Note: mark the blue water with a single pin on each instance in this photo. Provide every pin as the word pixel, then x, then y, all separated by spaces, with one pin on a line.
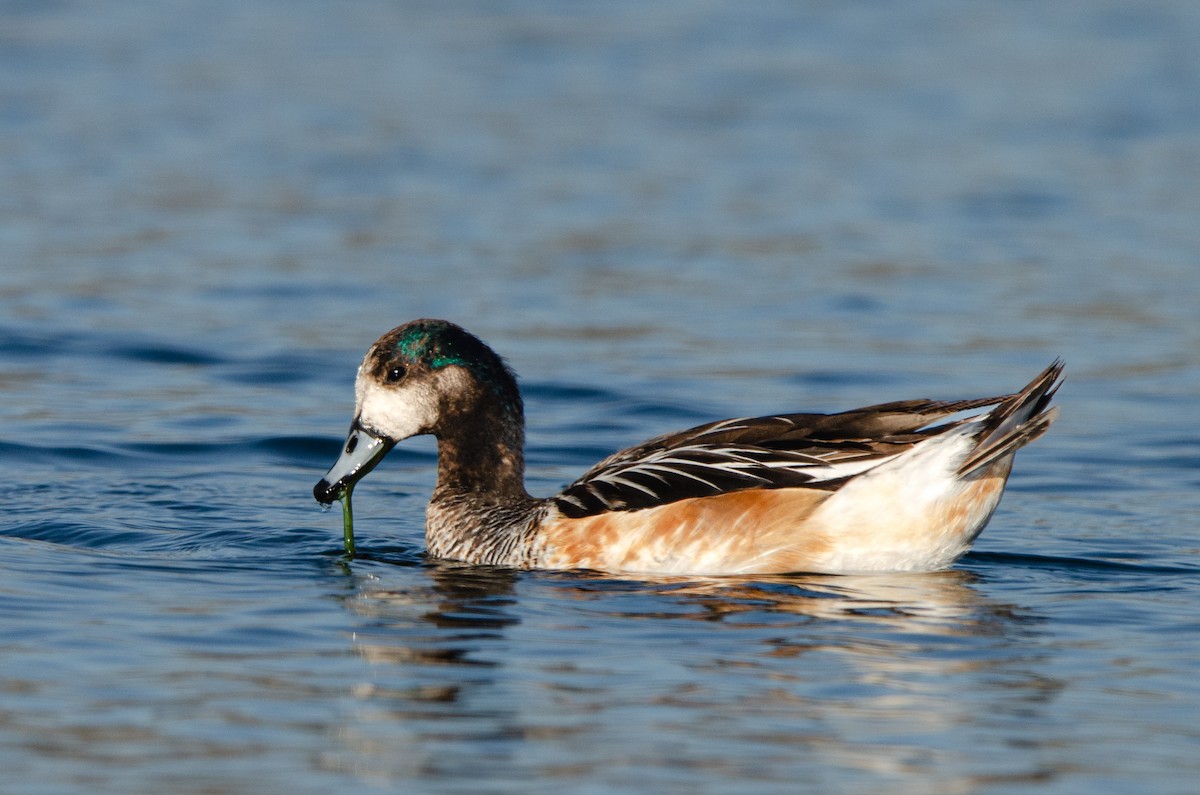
pixel 661 214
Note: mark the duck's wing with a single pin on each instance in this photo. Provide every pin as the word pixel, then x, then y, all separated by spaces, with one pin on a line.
pixel 817 451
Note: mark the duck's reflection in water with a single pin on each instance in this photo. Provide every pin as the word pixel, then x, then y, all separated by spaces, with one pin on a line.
pixel 570 668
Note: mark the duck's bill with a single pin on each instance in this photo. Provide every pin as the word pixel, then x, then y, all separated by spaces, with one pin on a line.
pixel 362 451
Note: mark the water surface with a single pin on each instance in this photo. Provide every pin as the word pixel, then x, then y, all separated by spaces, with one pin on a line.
pixel 661 215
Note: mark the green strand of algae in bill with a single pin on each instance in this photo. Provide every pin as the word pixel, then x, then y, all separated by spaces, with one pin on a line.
pixel 348 521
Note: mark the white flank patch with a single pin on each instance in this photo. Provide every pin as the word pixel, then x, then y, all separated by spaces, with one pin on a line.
pixel 884 519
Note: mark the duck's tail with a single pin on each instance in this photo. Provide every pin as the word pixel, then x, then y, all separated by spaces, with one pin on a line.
pixel 1016 421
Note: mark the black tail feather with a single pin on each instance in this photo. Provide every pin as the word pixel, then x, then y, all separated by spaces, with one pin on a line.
pixel 1017 420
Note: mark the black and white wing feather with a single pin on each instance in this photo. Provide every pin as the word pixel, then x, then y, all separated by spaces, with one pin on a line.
pixel 678 473
pixel 795 450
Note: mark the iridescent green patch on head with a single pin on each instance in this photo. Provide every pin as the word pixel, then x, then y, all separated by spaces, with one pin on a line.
pixel 438 344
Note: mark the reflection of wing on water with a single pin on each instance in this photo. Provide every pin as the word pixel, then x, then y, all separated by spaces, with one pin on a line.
pixel 937 602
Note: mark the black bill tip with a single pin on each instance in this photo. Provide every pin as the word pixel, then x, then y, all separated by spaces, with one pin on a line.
pixel 326 492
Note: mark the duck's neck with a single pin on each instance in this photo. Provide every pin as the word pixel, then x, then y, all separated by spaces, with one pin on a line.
pixel 483 453
pixel 480 511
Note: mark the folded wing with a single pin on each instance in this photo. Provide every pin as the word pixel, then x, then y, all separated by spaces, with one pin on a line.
pixel 816 451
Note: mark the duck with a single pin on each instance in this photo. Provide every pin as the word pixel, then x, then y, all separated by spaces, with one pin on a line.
pixel 904 486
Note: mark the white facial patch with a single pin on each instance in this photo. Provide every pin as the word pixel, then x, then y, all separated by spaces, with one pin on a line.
pixel 408 409
pixel 395 412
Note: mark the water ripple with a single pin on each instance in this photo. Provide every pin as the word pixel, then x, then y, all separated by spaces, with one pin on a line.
pixel 1068 563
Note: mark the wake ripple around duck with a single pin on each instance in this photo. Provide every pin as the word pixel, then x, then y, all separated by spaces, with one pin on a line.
pixel 1076 564
pixel 249 498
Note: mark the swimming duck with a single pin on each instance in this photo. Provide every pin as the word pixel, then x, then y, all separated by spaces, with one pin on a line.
pixel 877 489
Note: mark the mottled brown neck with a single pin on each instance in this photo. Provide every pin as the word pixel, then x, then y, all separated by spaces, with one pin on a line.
pixel 481 450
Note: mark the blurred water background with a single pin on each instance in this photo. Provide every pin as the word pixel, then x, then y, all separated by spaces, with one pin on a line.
pixel 661 213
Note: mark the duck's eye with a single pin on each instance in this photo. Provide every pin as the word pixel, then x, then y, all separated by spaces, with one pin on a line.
pixel 396 374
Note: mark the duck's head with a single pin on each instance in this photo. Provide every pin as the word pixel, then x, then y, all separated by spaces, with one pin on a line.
pixel 425 377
